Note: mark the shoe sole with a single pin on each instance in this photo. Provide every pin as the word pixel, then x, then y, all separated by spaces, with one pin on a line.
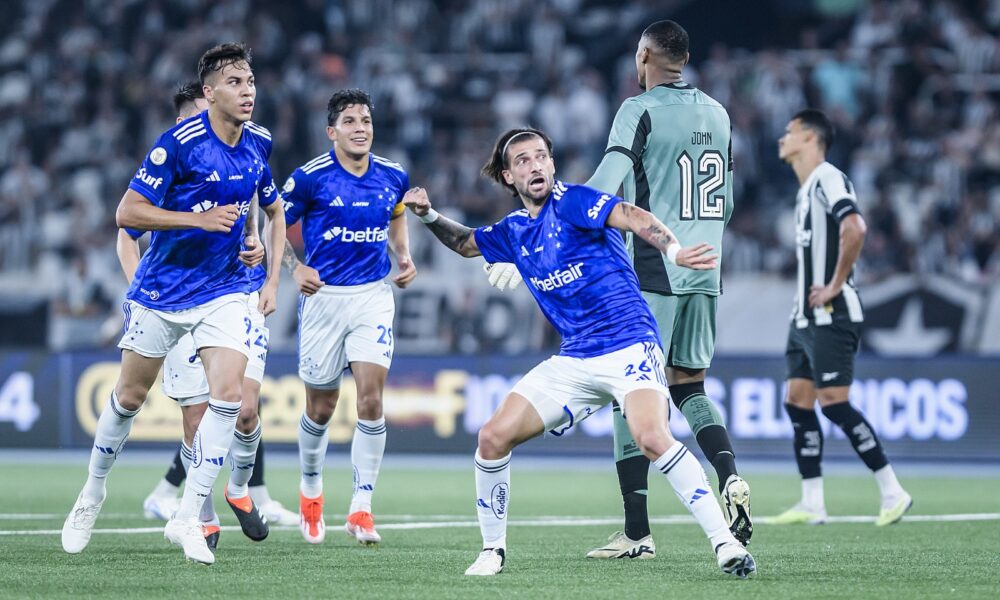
pixel 640 553
pixel 186 556
pixel 357 536
pixel 741 567
pixel 741 527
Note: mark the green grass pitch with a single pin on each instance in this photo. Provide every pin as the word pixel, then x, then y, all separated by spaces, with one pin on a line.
pixel 433 540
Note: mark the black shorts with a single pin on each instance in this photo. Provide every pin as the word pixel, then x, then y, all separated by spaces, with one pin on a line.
pixel 824 354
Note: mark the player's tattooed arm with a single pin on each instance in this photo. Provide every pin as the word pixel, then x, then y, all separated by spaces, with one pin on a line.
pixel 645 225
pixel 454 235
pixel 289 259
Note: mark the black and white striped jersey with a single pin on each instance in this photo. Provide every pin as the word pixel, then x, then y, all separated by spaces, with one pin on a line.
pixel 825 198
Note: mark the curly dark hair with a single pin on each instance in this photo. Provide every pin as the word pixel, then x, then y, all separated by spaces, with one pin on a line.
pixel 344 98
pixel 499 159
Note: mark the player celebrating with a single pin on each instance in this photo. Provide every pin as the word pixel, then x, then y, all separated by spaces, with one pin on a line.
pixel 669 148
pixel 184 381
pixel 826 321
pixel 349 203
pixel 193 191
pixel 566 245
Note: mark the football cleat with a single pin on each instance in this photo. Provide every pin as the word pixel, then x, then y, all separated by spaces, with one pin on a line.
pixel 735 560
pixel 736 502
pixel 189 535
pixel 253 524
pixel 360 525
pixel 489 562
pixel 211 531
pixel 798 515
pixel 79 525
pixel 278 514
pixel 160 507
pixel 311 522
pixel 620 545
pixel 888 516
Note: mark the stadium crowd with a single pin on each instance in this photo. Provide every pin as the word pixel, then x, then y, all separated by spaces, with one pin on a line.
pixel 913 86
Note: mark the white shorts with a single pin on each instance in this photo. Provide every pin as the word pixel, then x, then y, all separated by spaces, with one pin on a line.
pixel 222 322
pixel 339 325
pixel 184 374
pixel 565 390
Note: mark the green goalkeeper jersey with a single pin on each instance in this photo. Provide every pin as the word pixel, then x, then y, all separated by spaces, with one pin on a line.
pixel 679 141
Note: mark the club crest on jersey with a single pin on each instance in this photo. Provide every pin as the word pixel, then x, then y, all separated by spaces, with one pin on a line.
pixel 596 209
pixel 148 179
pixel 158 156
pixel 289 185
pixel 558 278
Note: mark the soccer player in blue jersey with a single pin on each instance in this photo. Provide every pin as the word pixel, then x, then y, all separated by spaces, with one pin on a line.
pixel 192 191
pixel 566 245
pixel 349 201
pixel 184 381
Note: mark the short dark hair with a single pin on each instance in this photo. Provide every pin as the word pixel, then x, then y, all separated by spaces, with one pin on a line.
pixel 499 162
pixel 186 94
pixel 817 121
pixel 670 38
pixel 221 56
pixel 339 102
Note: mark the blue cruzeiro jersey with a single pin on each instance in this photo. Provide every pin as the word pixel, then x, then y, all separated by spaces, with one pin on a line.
pixel 577 269
pixel 191 169
pixel 345 218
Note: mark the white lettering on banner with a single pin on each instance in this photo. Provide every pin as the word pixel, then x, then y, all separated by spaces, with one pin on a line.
pixel 371 234
pixel 756 410
pixel 17 401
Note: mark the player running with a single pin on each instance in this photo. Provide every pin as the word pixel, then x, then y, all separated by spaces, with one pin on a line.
pixel 670 150
pixel 826 322
pixel 193 191
pixel 184 381
pixel 349 203
pixel 566 245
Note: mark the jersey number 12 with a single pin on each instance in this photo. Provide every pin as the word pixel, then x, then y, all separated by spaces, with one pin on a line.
pixel 712 168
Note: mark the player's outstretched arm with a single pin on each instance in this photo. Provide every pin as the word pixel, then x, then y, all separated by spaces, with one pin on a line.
pixel 275 230
pixel 135 211
pixel 454 235
pixel 645 225
pixel 127 249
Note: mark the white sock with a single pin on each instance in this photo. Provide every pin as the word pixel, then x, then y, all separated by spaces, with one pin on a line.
pixel 366 457
pixel 186 456
pixel 260 495
pixel 112 430
pixel 243 453
pixel 812 494
pixel 211 445
pixel 493 499
pixel 312 454
pixel 691 485
pixel 207 510
pixel 165 489
pixel 889 486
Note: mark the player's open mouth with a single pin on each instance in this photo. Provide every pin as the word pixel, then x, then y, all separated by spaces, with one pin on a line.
pixel 246 107
pixel 536 183
pixel 359 140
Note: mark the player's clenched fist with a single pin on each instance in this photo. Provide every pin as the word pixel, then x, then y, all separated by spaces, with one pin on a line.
pixel 416 200
pixel 219 219
pixel 307 278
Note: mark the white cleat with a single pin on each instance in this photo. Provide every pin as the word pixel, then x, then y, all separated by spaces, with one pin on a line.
pixel 79 525
pixel 621 546
pixel 160 507
pixel 735 560
pixel 736 505
pixel 278 514
pixel 489 562
pixel 188 534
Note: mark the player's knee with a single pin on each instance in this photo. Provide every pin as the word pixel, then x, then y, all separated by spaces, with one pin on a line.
pixel 130 396
pixel 493 443
pixel 370 406
pixel 653 441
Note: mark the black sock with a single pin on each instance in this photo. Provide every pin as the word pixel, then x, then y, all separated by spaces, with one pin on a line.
pixel 257 477
pixel 808 441
pixel 860 432
pixel 714 443
pixel 633 476
pixel 176 474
